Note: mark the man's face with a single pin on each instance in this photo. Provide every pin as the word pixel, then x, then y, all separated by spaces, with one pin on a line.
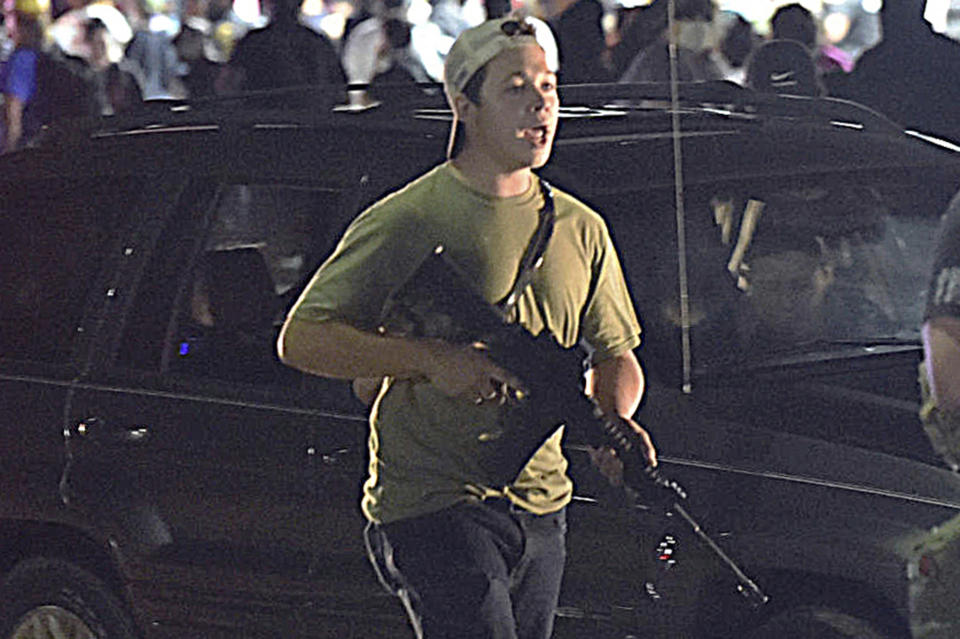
pixel 514 125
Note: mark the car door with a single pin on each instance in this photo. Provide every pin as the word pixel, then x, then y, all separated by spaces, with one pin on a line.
pixel 57 250
pixel 797 438
pixel 229 481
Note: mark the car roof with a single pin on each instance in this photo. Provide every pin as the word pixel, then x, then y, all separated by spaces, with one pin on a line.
pixel 612 136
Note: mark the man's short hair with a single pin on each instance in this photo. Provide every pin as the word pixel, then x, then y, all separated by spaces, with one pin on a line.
pixel 472 92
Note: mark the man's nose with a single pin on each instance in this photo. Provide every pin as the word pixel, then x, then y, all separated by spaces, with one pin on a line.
pixel 542 99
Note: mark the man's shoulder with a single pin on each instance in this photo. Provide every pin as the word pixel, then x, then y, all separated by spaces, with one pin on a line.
pixel 572 207
pixel 413 197
pixel 425 185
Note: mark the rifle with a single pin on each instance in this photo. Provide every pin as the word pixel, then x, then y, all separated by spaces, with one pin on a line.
pixel 437 302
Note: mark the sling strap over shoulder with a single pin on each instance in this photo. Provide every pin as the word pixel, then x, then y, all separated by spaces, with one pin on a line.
pixel 533 254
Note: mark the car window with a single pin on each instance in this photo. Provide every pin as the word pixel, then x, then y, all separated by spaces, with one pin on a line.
pixel 54 234
pixel 806 264
pixel 222 277
pixel 775 267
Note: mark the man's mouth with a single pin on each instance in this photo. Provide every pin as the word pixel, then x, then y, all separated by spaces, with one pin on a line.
pixel 536 135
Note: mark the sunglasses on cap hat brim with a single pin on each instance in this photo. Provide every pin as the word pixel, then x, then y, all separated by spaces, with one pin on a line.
pixel 517 28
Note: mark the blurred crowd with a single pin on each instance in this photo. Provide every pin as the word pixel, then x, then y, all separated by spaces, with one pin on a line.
pixel 113 54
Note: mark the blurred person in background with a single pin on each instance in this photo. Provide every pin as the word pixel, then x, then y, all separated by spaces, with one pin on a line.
pixel 795 22
pixel 40 84
pixel 578 28
pixel 696 41
pixel 451 16
pixel 739 40
pixel 362 10
pixel 433 28
pixel 227 28
pixel 783 67
pixel 117 88
pixel 152 52
pixel 69 29
pixel 437 23
pixel 6 43
pixel 361 51
pixel 285 53
pixel 636 28
pixel 25 21
pixel 197 50
pixel 911 75
pixel 397 67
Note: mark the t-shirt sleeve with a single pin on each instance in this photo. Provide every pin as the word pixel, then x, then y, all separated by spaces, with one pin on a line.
pixel 609 327
pixel 377 253
pixel 943 295
pixel 21 75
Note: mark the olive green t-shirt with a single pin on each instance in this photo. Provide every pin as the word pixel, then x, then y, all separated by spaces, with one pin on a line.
pixel 425 446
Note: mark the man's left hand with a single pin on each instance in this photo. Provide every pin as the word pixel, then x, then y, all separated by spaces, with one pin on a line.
pixel 609 463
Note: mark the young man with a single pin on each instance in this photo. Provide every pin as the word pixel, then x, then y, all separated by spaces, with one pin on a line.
pixel 469 557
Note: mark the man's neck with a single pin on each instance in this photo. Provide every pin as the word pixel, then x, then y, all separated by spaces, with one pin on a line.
pixel 496 183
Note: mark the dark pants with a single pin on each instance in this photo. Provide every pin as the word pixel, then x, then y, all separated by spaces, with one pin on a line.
pixel 474 570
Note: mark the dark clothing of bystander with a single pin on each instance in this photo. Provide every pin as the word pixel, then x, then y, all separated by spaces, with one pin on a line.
pixel 910 76
pixel 285 54
pixel 581 43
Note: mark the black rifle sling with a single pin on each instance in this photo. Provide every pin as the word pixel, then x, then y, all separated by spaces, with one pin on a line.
pixel 534 251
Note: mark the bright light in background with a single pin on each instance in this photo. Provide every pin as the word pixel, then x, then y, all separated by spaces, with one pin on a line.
pixel 871 6
pixel 633 4
pixel 836 26
pixel 312 7
pixel 759 11
pixel 247 10
pixel 936 14
pixel 752 10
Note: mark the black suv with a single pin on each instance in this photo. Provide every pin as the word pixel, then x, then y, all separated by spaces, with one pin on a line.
pixel 164 475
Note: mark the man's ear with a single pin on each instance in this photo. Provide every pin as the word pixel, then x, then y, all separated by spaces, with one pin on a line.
pixel 462 107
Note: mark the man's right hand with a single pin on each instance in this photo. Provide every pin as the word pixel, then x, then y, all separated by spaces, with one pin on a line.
pixel 467 372
pixel 338 350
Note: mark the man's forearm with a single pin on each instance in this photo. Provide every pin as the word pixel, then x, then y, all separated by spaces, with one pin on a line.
pixel 617 385
pixel 335 349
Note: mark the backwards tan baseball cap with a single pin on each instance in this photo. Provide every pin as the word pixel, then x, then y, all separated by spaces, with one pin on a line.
pixel 476 46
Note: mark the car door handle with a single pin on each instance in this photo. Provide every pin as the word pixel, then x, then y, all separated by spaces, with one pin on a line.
pixel 98 430
pixel 329 458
